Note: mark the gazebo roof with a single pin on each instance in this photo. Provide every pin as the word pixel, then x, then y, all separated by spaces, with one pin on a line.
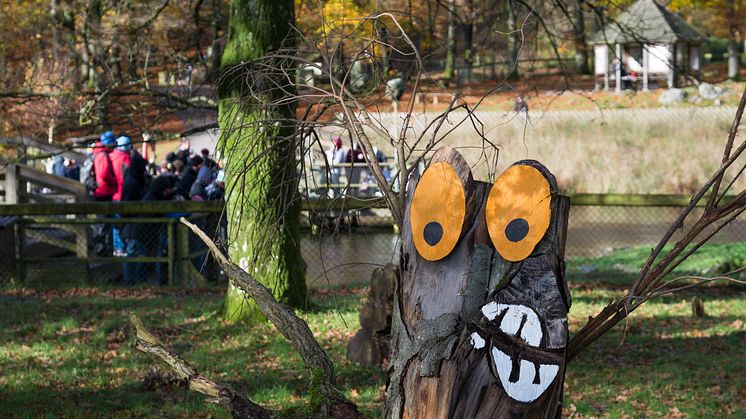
pixel 646 22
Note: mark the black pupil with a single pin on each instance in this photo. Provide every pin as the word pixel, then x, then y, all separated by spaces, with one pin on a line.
pixel 516 230
pixel 433 233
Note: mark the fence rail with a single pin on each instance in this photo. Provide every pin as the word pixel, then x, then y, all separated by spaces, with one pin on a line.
pixel 108 208
pixel 580 199
pixel 346 238
pixel 343 240
pixel 74 242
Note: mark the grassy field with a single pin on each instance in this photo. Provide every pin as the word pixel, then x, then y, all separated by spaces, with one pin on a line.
pixel 70 353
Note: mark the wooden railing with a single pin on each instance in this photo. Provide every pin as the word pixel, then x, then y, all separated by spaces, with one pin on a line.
pixel 66 229
pixel 18 178
pixel 581 199
pixel 107 208
pixel 317 204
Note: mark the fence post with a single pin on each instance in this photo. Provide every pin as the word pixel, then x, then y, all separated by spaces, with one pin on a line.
pixel 171 256
pixel 11 184
pixel 188 274
pixel 21 266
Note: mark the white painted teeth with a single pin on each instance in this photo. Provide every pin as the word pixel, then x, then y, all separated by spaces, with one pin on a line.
pixel 476 341
pixel 490 310
pixel 530 329
pixel 521 321
pixel 516 318
pixel 523 390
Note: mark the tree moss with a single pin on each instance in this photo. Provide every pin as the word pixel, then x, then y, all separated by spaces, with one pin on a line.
pixel 259 146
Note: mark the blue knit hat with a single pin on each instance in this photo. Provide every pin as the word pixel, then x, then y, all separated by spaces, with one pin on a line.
pixel 124 143
pixel 107 138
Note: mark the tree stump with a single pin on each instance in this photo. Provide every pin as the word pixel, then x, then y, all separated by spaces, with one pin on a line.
pixel 370 345
pixel 479 326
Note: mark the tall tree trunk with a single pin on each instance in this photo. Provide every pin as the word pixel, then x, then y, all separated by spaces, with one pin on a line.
pixel 514 40
pixel 91 44
pixel 259 143
pixel 382 35
pixel 450 67
pixel 732 42
pixel 55 12
pixel 217 43
pixel 581 48
pixel 469 51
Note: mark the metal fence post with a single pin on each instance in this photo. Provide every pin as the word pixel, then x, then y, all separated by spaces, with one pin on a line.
pixel 21 266
pixel 11 184
pixel 171 255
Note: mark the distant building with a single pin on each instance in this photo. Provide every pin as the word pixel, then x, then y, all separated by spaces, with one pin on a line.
pixel 652 44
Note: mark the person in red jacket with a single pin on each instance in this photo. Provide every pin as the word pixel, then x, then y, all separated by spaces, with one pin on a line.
pixel 106 182
pixel 120 162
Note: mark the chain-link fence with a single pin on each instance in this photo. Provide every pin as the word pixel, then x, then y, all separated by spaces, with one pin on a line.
pixel 349 245
pixel 339 246
pixel 68 250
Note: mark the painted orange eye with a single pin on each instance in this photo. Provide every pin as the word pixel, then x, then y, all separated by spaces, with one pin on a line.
pixel 437 211
pixel 518 211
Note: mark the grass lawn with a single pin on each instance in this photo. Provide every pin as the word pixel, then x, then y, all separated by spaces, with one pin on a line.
pixel 70 352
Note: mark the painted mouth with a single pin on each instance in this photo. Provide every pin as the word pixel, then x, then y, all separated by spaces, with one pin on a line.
pixel 523 380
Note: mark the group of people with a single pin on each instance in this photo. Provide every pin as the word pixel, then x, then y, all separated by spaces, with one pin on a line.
pixel 114 171
pixel 351 162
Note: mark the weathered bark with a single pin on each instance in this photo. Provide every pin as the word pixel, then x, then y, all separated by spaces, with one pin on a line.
pixel 438 367
pixel 370 345
pixel 469 48
pixel 91 50
pixel 450 66
pixel 514 39
pixel 732 41
pixel 263 209
pixel 326 399
pixel 581 47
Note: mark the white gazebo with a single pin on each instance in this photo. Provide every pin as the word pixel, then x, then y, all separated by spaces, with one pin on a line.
pixel 647 42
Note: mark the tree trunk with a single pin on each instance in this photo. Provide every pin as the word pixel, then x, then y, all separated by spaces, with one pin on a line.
pixel 91 44
pixel 450 67
pixel 258 140
pixel 732 59
pixel 514 40
pixel 455 351
pixel 382 35
pixel 469 52
pixel 581 47
pixel 732 42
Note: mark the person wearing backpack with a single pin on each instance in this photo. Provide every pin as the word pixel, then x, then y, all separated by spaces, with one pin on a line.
pixel 120 161
pixel 103 171
pixel 98 177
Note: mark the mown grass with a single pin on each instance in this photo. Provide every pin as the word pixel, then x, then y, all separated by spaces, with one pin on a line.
pixel 70 352
pixel 620 266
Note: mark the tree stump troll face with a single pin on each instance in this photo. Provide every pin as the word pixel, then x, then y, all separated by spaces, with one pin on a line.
pixel 480 314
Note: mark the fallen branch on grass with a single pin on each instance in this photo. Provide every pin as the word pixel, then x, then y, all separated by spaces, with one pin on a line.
pixel 239 406
pixel 328 401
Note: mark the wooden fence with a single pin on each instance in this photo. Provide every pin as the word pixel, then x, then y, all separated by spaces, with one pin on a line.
pixel 60 238
pixel 344 239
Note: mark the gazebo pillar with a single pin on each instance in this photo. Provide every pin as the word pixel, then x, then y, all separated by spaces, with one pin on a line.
pixel 645 65
pixel 618 71
pixel 671 65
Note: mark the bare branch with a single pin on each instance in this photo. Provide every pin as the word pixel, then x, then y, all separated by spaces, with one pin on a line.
pixel 239 406
pixel 291 326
